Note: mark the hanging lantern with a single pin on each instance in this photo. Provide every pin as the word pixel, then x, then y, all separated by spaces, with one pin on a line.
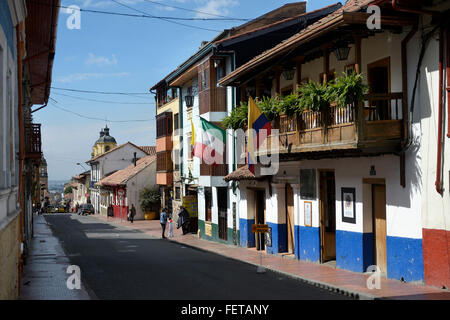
pixel 288 74
pixel 342 50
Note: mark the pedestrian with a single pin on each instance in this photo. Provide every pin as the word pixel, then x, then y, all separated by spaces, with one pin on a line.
pixel 170 227
pixel 163 221
pixel 132 213
pixel 183 220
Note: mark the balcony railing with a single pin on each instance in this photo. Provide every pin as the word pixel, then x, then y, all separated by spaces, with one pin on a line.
pixel 33 143
pixel 213 100
pixel 338 128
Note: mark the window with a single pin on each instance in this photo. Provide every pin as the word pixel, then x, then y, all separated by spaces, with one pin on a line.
pixel 107 148
pixel 220 69
pixel 164 125
pixel 203 79
pixel 176 123
pixel 177 193
pixel 208 204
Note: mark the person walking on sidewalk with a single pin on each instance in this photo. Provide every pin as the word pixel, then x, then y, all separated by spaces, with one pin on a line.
pixel 163 221
pixel 183 220
pixel 132 213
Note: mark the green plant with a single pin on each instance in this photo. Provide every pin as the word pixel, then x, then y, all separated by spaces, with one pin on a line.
pixel 68 190
pixel 238 118
pixel 313 96
pixel 149 199
pixel 347 89
pixel 290 105
pixel 270 107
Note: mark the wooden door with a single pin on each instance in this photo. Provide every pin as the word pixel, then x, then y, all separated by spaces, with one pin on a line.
pixel 379 225
pixel 290 219
pixel 222 197
pixel 327 216
pixel 260 217
pixel 379 75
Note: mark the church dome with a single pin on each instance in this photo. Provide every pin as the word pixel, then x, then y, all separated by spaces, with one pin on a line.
pixel 105 137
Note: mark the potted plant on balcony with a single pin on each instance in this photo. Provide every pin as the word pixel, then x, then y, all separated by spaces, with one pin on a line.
pixel 347 89
pixel 149 201
pixel 238 118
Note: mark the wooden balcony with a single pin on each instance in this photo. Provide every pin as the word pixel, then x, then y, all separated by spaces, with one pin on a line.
pixel 219 170
pixel 164 162
pixel 33 143
pixel 379 129
pixel 213 100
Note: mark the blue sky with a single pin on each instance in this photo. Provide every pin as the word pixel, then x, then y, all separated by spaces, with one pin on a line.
pixel 123 54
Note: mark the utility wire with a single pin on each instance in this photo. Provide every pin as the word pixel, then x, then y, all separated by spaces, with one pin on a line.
pixel 136 94
pixel 195 11
pixel 95 118
pixel 101 101
pixel 164 18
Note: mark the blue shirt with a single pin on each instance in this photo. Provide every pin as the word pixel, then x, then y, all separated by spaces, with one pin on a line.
pixel 163 218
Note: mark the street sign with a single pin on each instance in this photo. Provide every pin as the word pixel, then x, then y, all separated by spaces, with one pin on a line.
pixel 260 228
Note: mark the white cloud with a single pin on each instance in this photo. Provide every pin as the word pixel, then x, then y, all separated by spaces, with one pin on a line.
pixel 216 7
pixel 101 61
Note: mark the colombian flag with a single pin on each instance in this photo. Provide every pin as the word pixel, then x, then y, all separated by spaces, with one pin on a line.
pixel 256 121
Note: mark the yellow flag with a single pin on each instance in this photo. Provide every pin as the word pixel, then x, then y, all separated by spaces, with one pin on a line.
pixel 193 134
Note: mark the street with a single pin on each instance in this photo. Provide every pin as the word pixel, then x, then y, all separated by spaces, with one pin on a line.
pixel 120 263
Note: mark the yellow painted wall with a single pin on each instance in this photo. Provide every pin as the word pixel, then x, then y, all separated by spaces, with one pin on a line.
pixel 9 259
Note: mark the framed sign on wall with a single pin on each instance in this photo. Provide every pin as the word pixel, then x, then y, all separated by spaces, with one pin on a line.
pixel 348 205
pixel 308 213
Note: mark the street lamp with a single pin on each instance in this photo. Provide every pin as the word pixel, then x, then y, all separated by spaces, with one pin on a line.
pixel 79 164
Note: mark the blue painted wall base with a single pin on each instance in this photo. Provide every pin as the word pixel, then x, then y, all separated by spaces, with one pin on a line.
pixel 309 246
pixel 246 237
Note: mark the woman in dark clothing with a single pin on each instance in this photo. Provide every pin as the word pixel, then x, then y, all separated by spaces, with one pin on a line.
pixel 183 220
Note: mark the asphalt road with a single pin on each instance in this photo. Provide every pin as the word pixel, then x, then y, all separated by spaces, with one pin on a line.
pixel 120 263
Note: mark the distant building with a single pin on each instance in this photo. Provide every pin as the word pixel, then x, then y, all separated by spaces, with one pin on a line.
pixel 104 143
pixel 43 178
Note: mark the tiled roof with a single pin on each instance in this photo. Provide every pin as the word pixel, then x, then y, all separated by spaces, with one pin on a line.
pixel 150 150
pixel 297 39
pixel 114 149
pixel 122 176
pixel 240 174
pixel 305 14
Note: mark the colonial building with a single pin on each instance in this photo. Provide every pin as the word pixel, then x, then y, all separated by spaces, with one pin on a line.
pixel 27 49
pixel 125 186
pixel 43 178
pixel 356 185
pixel 106 164
pixel 206 195
pixel 81 190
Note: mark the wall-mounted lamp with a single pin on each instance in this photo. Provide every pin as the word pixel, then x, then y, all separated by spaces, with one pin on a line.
pixel 288 74
pixel 342 51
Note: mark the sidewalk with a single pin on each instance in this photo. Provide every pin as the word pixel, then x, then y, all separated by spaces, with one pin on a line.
pixel 44 276
pixel 346 282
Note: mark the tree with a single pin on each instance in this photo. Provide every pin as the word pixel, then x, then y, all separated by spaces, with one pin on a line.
pixel 68 190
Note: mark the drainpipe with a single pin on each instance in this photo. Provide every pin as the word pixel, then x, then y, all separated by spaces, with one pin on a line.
pixel 448 80
pixel 440 113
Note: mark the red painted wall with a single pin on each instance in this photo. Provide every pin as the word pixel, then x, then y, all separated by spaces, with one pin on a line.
pixel 119 207
pixel 436 257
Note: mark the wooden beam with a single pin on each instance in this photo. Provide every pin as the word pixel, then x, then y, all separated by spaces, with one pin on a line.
pixel 362 17
pixel 277 81
pixel 298 65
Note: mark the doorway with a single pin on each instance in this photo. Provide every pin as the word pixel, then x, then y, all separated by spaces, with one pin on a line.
pixel 290 219
pixel 379 75
pixel 379 225
pixel 327 201
pixel 222 199
pixel 260 217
